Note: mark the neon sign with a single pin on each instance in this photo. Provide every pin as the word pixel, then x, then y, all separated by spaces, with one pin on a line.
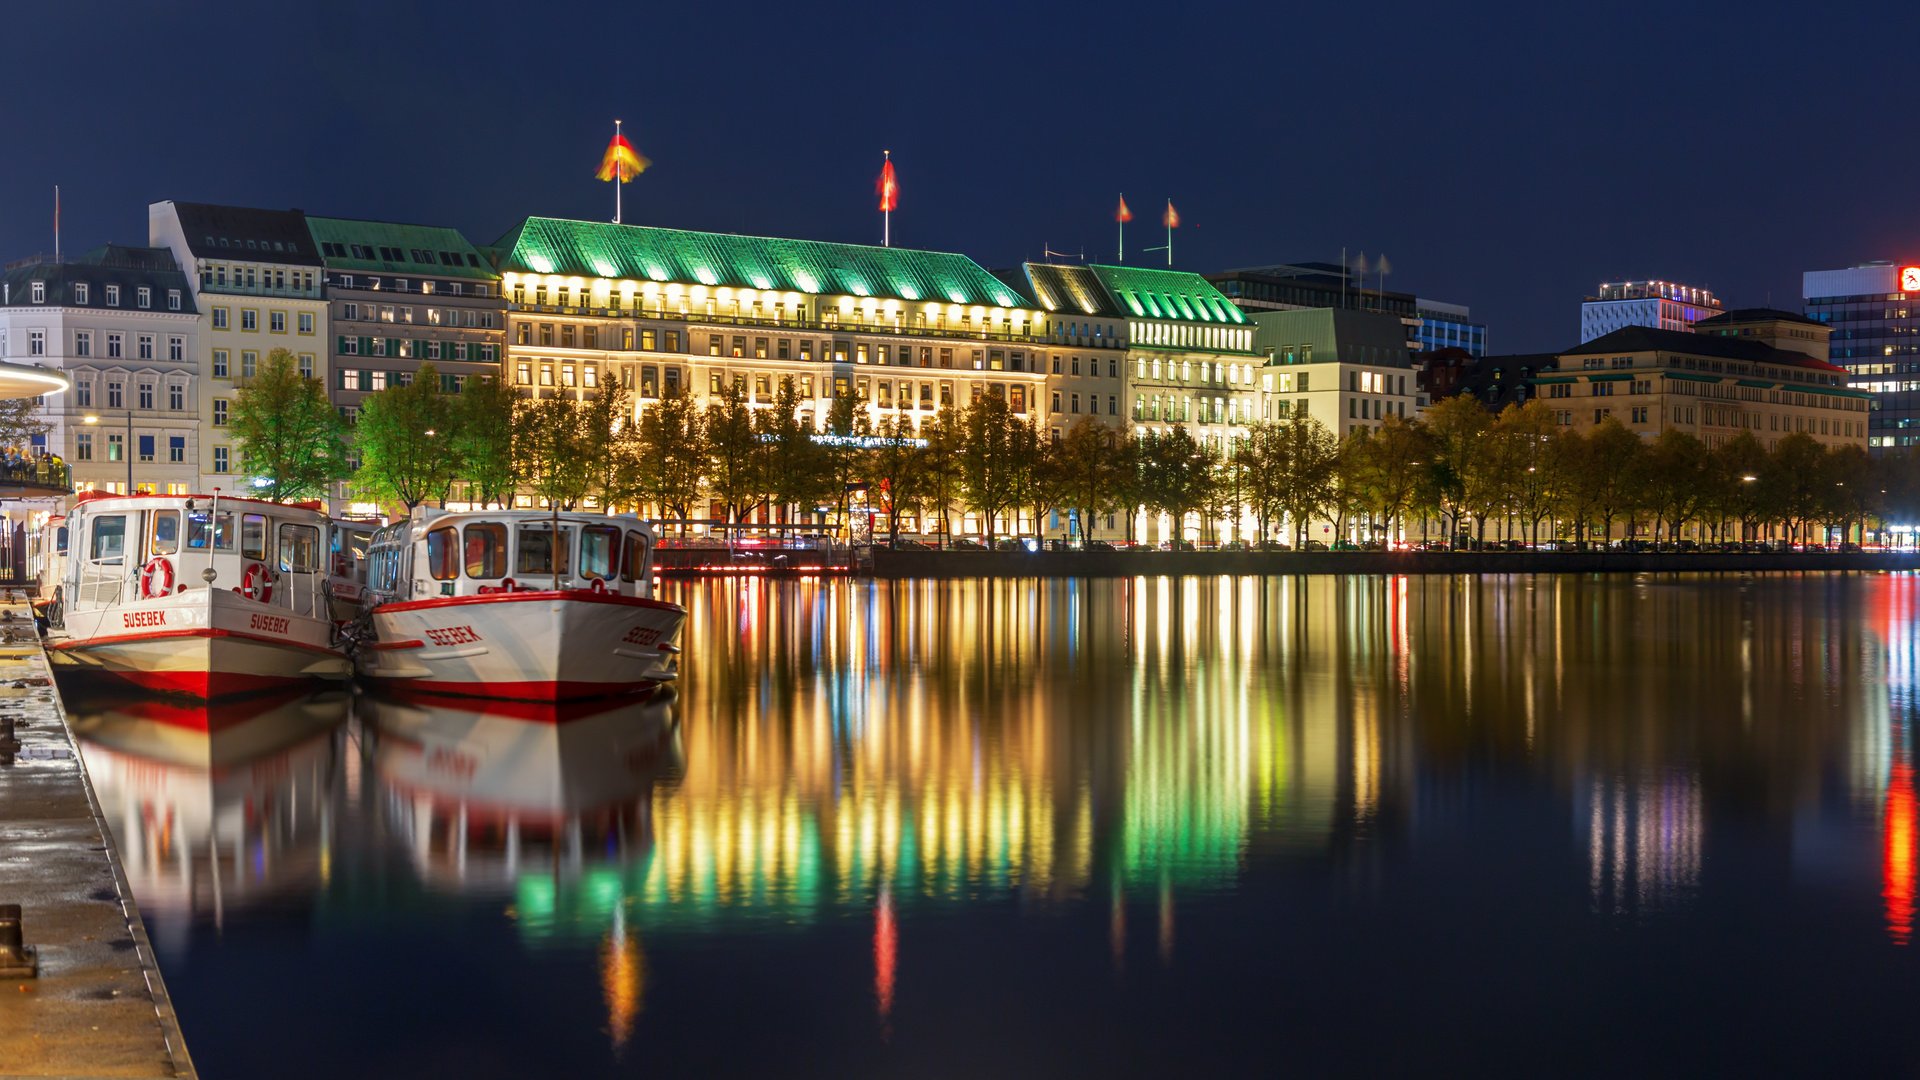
pixel 1910 279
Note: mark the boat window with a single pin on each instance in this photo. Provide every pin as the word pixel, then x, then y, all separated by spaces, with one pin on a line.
pixel 166 532
pixel 109 539
pixel 487 550
pixel 299 548
pixel 599 551
pixel 253 536
pixel 636 557
pixel 443 554
pixel 222 530
pixel 60 540
pixel 536 550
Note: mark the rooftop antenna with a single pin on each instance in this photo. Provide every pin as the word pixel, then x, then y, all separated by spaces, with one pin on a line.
pixel 56 222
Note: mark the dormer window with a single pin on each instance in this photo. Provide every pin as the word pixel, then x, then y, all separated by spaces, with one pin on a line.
pixel 144 296
pixel 173 299
pixel 113 296
pixel 39 291
pixel 80 292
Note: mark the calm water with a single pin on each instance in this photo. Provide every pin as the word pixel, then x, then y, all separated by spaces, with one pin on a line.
pixel 1310 826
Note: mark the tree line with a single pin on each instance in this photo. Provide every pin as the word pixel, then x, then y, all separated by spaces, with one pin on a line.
pixel 1459 468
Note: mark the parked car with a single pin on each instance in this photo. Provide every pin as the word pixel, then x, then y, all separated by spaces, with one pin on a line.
pixel 1099 545
pixel 1345 545
pixel 1316 545
pixel 1136 546
pixel 964 544
pixel 1274 545
pixel 904 544
pixel 1234 545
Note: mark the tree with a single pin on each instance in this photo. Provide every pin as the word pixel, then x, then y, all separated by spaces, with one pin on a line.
pixel 670 454
pixel 1261 461
pixel 1389 466
pixel 795 465
pixel 406 441
pixel 549 440
pixel 289 434
pixel 21 419
pixel 1792 482
pixel 988 464
pixel 1087 464
pixel 734 456
pixel 898 466
pixel 483 439
pixel 1312 457
pixel 946 449
pixel 1179 475
pixel 1458 426
pixel 1673 475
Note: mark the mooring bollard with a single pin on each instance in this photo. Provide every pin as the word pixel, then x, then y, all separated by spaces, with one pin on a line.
pixel 18 960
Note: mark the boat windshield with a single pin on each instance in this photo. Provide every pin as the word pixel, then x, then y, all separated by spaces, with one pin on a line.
pixel 599 551
pixel 201 523
pixel 109 539
pixel 486 550
pixel 536 550
pixel 166 532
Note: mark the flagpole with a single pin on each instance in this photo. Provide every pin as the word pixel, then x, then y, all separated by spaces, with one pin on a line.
pixel 1169 220
pixel 56 222
pixel 619 177
pixel 886 228
pixel 1123 229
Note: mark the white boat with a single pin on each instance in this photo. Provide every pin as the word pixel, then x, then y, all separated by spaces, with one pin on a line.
pixel 487 603
pixel 199 595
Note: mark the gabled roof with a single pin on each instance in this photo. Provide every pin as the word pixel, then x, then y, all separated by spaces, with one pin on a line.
pixel 350 244
pixel 1167 294
pixel 1064 290
pixel 116 264
pixel 245 234
pixel 641 253
pixel 1747 350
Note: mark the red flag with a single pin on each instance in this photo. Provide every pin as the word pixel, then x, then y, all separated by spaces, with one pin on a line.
pixel 621 161
pixel 1125 215
pixel 887 187
pixel 1171 219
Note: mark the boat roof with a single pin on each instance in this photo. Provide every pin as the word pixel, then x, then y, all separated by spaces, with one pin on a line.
pixel 310 508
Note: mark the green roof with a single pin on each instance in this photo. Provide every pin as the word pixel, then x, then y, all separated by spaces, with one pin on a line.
pixel 1167 294
pixel 641 253
pixel 383 247
pixel 1597 377
pixel 1690 378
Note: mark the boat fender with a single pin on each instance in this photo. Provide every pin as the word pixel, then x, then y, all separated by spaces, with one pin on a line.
pixel 156 578
pixel 256 577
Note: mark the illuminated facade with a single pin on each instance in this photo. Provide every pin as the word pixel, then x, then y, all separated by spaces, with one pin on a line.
pixel 1086 333
pixel 1661 305
pixel 120 322
pixel 1873 314
pixel 902 333
pixel 256 279
pixel 1708 385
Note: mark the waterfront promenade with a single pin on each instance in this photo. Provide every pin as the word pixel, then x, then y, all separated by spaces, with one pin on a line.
pixel 959 564
pixel 98 1006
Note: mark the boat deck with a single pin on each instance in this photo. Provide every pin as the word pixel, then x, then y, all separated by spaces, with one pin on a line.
pixel 98 1006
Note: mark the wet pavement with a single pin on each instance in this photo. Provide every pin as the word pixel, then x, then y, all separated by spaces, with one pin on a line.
pixel 97 1006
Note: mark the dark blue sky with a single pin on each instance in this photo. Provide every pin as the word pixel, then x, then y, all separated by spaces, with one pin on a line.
pixel 1507 156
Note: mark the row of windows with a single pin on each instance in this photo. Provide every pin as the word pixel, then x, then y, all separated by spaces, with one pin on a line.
pixel 250 320
pixel 144 345
pixel 250 363
pixel 280 279
pixel 116 396
pixel 424 256
pixel 1093 403
pixel 116 447
pixel 1208 371
pixel 410 349
pixel 1093 367
pixel 428 288
pixel 83 294
pixel 403 314
pixel 1728 417
pixel 1177 408
pixel 374 381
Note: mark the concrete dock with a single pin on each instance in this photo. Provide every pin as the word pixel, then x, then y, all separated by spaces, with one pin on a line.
pixel 98 1006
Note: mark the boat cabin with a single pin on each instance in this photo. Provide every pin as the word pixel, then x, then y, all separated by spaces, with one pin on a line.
pixel 129 548
pixel 468 553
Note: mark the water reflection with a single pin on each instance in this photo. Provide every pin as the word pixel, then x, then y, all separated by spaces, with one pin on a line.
pixel 902 755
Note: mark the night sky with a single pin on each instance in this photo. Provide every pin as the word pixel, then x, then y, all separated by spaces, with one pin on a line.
pixel 1508 157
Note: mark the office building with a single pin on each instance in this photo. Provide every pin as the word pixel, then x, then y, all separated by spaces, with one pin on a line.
pixel 1872 313
pixel 256 280
pixel 121 324
pixel 1661 305
pixel 1346 369
pixel 1713 386
pixel 1448 326
pixel 1300 286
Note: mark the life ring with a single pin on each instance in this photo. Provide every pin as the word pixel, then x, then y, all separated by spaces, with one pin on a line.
pixel 256 573
pixel 157 569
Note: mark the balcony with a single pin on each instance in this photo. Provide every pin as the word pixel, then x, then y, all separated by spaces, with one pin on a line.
pixel 832 326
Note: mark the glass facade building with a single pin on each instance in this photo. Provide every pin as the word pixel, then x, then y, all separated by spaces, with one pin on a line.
pixel 1445 326
pixel 1874 332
